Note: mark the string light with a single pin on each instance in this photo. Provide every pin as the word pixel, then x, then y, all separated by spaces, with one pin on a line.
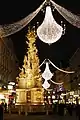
pixel 61 69
pixel 68 15
pixel 49 31
pixel 9 29
pixel 49 62
pixel 57 83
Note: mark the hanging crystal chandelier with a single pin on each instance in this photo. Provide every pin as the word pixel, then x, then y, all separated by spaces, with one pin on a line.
pixel 46 85
pixel 47 73
pixel 49 31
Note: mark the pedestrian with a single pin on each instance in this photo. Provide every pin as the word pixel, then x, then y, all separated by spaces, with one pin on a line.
pixel 1 112
pixel 78 111
pixel 70 109
pixel 5 107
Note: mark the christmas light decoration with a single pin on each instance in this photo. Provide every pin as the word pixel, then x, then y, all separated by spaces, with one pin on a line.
pixel 63 94
pixel 61 69
pixel 49 31
pixel 9 29
pixel 46 85
pixel 68 15
pixel 49 62
pixel 47 73
pixel 56 82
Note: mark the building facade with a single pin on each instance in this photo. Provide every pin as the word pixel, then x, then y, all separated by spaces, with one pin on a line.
pixel 75 65
pixel 63 77
pixel 8 62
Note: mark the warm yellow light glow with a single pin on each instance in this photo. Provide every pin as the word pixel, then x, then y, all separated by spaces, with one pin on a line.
pixel 37 95
pixel 10 87
pixel 11 83
pixel 2 96
pixel 20 96
pixel 30 89
pixel 53 97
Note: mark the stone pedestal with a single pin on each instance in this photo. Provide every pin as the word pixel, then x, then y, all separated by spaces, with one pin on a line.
pixel 35 100
pixel 31 100
pixel 20 96
pixel 21 100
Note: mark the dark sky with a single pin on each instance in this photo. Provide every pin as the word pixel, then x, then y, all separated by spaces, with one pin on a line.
pixel 61 51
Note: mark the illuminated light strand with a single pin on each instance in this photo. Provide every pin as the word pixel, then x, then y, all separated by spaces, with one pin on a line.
pixel 68 15
pixel 61 69
pixel 42 63
pixel 9 29
pixel 57 83
pixel 56 67
pixel 49 31
pixel 47 73
pixel 48 90
pixel 63 94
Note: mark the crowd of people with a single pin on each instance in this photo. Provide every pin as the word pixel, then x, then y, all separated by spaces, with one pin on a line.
pixel 67 109
pixel 58 109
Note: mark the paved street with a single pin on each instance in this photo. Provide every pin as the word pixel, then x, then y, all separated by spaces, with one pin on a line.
pixel 37 117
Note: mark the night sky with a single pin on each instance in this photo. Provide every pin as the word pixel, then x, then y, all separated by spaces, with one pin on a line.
pixel 59 52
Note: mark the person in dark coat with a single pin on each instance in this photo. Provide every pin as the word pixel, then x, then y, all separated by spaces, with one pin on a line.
pixel 1 112
pixel 61 109
pixel 70 109
pixel 78 111
pixel 5 107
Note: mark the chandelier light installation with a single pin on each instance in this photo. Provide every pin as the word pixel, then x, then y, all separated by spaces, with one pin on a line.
pixel 49 62
pixel 47 73
pixel 9 29
pixel 49 31
pixel 46 85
